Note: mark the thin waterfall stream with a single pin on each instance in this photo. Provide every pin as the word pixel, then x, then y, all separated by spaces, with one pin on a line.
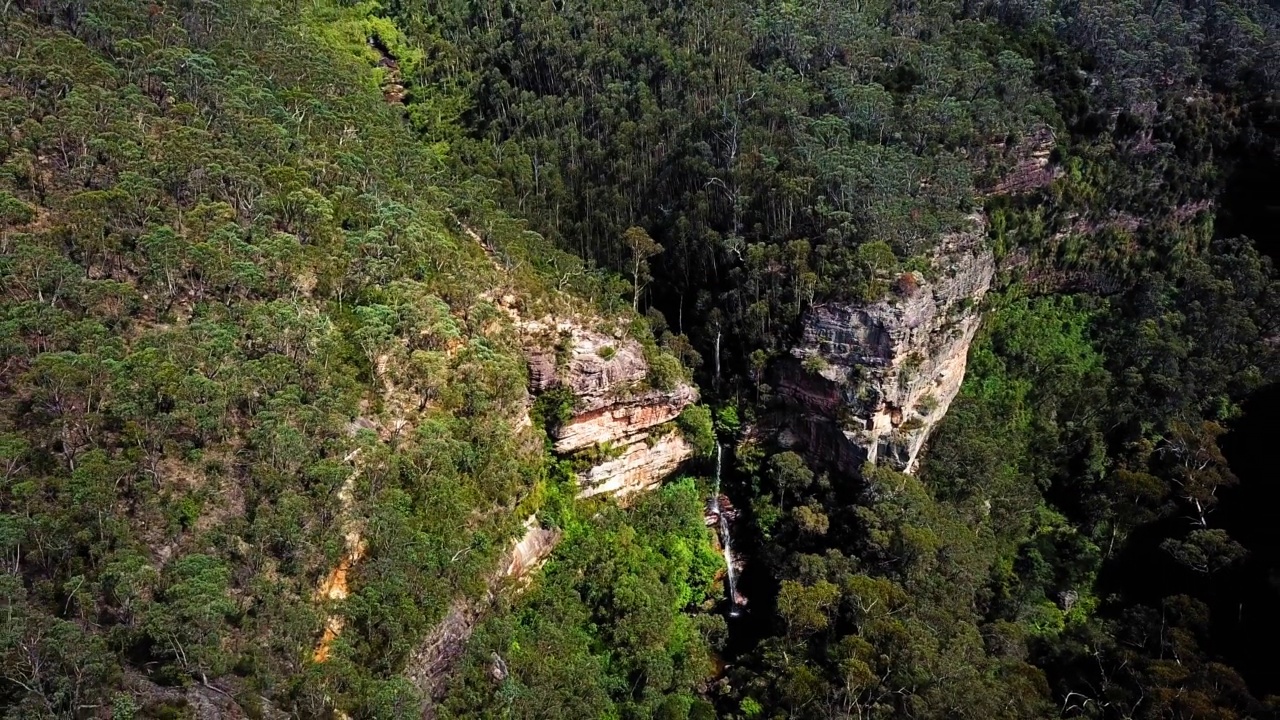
pixel 717 359
pixel 726 539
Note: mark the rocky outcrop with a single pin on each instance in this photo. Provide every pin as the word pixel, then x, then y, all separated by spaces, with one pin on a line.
pixel 642 466
pixel 393 90
pixel 872 380
pixel 531 550
pixel 614 409
pixel 596 365
pixel 615 405
pixel 625 420
pixel 435 658
pixel 618 410
pixel 1031 164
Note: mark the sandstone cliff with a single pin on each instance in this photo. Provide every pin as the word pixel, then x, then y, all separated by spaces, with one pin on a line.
pixel 642 465
pixel 870 381
pixel 615 403
pixel 615 406
pixel 430 665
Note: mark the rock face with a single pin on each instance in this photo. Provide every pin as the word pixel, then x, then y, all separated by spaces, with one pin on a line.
pixel 430 665
pixel 616 409
pixel 1032 169
pixel 624 420
pixel 642 466
pixel 871 380
pixel 531 550
pixel 614 404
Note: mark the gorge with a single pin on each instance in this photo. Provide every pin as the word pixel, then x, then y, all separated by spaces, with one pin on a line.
pixel 733 359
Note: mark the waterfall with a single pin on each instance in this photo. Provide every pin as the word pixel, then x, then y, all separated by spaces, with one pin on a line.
pixel 726 540
pixel 717 369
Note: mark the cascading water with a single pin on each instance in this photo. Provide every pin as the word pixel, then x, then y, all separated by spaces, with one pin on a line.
pixel 717 357
pixel 726 541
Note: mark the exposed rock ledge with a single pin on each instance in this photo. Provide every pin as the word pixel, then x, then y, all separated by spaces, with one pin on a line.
pixel 614 404
pixel 642 466
pixel 609 376
pixel 879 376
pixel 430 665
pixel 625 420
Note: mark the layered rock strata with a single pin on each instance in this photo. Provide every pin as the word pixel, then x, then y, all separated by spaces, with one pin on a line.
pixel 615 409
pixel 872 379
pixel 615 405
pixel 642 466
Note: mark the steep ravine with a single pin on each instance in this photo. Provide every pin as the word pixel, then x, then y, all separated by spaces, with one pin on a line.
pixel 866 382
pixel 615 411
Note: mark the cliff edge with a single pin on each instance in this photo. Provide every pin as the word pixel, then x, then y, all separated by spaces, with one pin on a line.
pixel 871 380
pixel 621 403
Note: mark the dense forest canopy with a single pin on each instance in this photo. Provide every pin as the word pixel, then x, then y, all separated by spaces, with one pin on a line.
pixel 784 154
pixel 771 147
pixel 229 274
pixel 252 348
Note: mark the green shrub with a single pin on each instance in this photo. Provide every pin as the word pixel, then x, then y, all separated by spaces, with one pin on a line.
pixel 927 404
pixel 13 211
pixel 727 419
pixel 597 454
pixel 911 425
pixel 815 364
pixel 695 425
pixel 553 408
pixel 123 707
pixel 665 372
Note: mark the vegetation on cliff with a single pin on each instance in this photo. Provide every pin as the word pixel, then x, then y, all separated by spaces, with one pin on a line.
pixel 784 154
pixel 263 405
pixel 255 389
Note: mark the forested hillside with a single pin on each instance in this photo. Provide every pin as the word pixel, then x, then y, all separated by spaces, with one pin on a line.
pixel 327 324
pixel 210 241
pixel 263 421
pixel 1061 552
